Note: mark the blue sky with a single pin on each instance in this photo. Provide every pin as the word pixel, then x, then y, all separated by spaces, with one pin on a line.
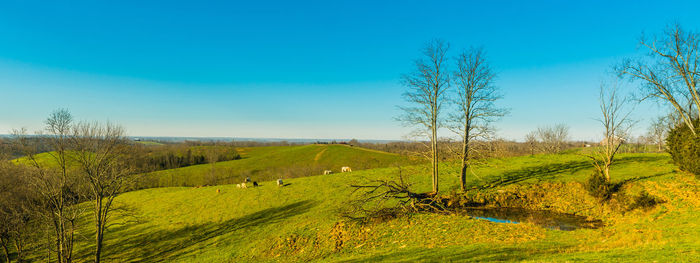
pixel 306 69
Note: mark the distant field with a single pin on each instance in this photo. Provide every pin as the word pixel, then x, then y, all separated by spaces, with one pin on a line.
pixel 274 162
pixel 149 143
pixel 300 222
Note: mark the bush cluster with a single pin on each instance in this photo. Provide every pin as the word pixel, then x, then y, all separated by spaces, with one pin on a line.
pixel 644 200
pixel 598 187
pixel 684 147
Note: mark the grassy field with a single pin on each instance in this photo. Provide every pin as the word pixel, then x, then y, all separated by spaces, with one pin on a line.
pixel 271 163
pixel 150 143
pixel 300 222
pixel 262 164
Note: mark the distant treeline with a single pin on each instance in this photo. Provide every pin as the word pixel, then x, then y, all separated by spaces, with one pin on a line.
pixel 497 148
pixel 171 156
pixel 8 149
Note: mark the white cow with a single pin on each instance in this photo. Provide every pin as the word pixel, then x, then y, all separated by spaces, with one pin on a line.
pixel 345 169
pixel 327 172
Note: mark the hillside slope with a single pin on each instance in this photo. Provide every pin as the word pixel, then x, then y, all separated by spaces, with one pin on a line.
pixel 300 222
pixel 275 162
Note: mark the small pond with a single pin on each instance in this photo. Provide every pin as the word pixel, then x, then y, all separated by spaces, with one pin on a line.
pixel 544 218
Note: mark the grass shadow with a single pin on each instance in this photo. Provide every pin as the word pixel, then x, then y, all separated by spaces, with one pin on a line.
pixel 477 254
pixel 549 171
pixel 146 245
pixel 615 187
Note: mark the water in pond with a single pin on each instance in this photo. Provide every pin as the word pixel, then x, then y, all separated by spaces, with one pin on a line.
pixel 544 218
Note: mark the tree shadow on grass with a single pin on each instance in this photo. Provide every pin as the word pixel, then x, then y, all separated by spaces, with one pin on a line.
pixel 549 171
pixel 477 254
pixel 147 245
pixel 616 187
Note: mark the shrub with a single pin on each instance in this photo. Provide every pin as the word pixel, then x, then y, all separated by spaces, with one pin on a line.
pixel 644 200
pixel 598 187
pixel 684 147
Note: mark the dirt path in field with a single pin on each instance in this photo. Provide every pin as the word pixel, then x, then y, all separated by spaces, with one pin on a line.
pixel 319 154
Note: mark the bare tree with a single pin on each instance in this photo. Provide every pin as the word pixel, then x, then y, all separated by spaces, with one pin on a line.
pixel 475 105
pixel 616 124
pixel 387 198
pixel 426 94
pixel 17 208
pixel 531 141
pixel 212 154
pixel 54 183
pixel 669 71
pixel 552 138
pixel 658 130
pixel 100 152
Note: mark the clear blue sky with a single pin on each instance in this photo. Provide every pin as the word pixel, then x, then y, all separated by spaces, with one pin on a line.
pixel 297 69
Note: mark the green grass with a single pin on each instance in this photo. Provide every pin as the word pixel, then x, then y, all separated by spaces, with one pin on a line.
pixel 300 222
pixel 271 163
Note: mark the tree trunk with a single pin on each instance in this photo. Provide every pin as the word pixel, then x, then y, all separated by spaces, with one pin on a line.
pixel 5 250
pixel 465 158
pixel 98 249
pixel 19 247
pixel 48 244
pixel 435 159
pixel 463 175
pixel 98 229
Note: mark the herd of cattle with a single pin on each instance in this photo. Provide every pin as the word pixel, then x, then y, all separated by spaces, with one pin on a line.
pixel 247 183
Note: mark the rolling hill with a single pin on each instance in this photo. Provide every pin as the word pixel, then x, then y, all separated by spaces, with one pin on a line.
pixel 263 163
pixel 274 162
pixel 301 222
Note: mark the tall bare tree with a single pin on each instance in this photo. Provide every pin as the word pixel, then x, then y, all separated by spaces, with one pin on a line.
pixel 426 86
pixel 100 151
pixel 669 71
pixel 55 183
pixel 616 124
pixel 475 103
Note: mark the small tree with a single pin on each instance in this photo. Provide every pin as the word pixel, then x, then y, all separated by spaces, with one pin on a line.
pixel 552 138
pixel 658 130
pixel 531 141
pixel 426 94
pixel 475 105
pixel 616 124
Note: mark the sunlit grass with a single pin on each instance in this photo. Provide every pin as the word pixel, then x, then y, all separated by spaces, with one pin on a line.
pixel 300 222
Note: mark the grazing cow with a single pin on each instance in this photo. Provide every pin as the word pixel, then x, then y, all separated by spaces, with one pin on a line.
pixel 243 185
pixel 327 172
pixel 238 185
pixel 255 184
pixel 279 182
pixel 345 169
